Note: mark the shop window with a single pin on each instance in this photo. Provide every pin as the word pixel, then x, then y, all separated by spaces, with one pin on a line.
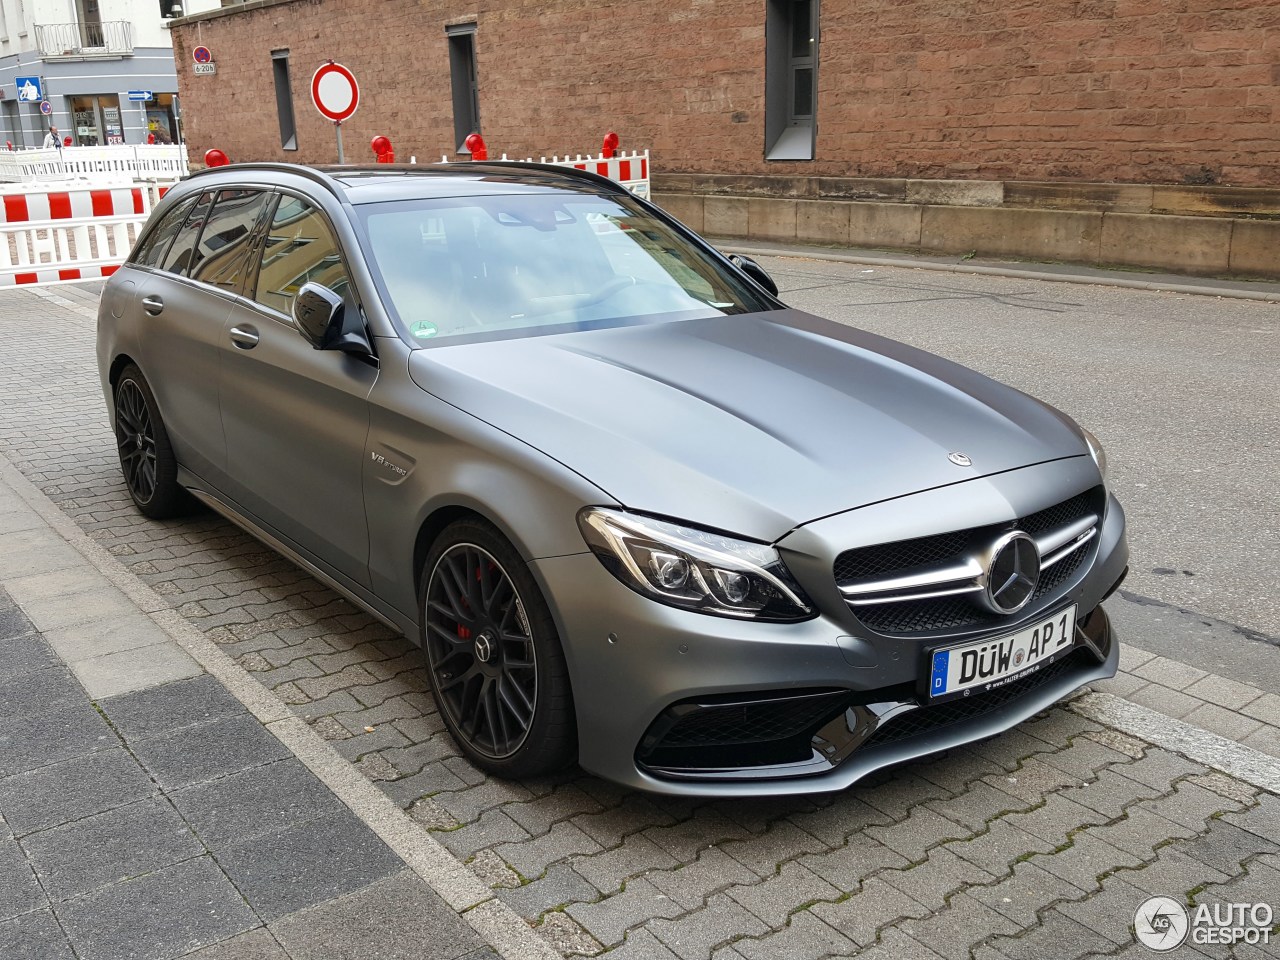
pixel 97 121
pixel 284 99
pixel 162 119
pixel 791 74
pixel 462 72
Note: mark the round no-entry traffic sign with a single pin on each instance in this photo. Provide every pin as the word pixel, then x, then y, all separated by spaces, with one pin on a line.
pixel 335 92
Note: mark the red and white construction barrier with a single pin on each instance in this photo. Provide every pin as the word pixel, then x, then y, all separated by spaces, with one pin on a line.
pixel 57 236
pixel 632 171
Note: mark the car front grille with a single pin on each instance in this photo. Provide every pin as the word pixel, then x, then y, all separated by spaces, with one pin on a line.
pixel 942 573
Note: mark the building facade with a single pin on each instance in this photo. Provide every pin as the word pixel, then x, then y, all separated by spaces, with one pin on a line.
pixel 103 67
pixel 1098 107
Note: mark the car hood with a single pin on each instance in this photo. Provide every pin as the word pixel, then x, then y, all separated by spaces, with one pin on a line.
pixel 751 424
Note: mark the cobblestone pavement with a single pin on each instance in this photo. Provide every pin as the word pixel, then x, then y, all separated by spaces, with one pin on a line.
pixel 1039 843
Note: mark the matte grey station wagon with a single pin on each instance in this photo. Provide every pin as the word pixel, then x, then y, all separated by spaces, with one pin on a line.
pixel 638 513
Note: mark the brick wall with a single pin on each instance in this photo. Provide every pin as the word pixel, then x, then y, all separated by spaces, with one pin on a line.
pixel 1145 91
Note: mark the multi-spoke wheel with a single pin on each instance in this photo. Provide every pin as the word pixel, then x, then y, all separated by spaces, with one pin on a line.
pixel 495 661
pixel 146 457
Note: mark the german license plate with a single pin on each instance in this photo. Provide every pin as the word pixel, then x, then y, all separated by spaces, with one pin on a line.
pixel 987 664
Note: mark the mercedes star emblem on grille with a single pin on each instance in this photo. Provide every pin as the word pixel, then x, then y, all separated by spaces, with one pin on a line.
pixel 1013 571
pixel 959 459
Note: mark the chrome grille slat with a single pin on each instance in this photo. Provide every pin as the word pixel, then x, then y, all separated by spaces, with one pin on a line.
pixel 901 597
pixel 929 578
pixel 1049 542
pixel 1069 549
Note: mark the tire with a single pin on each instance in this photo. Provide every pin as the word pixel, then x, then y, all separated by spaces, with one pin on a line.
pixel 146 457
pixel 511 713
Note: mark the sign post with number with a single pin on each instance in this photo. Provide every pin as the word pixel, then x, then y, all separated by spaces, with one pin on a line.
pixel 336 95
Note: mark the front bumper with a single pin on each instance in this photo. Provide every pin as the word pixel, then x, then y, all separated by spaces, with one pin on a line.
pixel 631 660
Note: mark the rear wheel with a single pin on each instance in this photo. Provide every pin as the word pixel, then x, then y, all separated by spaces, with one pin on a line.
pixel 496 666
pixel 146 456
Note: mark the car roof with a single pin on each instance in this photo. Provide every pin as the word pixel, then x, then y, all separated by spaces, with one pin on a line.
pixel 376 183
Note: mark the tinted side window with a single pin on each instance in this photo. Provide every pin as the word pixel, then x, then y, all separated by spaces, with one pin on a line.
pixel 156 242
pixel 221 256
pixel 178 260
pixel 299 247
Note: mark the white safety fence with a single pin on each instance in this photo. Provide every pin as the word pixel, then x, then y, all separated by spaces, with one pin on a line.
pixel 632 171
pixel 95 164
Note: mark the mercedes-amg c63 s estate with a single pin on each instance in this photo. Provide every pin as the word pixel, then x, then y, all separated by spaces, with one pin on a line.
pixel 638 512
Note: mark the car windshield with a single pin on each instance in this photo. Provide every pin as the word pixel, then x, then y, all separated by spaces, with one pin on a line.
pixel 518 264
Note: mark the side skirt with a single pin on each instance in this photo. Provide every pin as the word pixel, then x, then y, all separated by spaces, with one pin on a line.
pixel 367 604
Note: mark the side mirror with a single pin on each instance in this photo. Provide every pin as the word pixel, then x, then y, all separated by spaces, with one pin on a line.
pixel 754 271
pixel 320 315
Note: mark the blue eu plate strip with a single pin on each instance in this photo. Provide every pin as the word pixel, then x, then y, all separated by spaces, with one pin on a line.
pixel 938 682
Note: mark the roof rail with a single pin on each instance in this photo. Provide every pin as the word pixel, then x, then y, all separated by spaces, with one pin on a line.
pixel 326 177
pixel 311 173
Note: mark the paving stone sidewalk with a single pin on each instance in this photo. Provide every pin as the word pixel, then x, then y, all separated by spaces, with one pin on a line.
pixel 146 814
pixel 1039 843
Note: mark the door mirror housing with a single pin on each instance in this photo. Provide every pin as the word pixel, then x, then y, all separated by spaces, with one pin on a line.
pixel 756 272
pixel 321 316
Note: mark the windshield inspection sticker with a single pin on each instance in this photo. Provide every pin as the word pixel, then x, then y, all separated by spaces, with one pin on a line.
pixel 423 329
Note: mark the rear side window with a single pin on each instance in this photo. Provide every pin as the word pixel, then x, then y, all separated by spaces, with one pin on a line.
pixel 183 249
pixel 153 247
pixel 300 247
pixel 222 254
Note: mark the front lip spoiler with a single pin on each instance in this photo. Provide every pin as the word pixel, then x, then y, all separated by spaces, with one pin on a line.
pixel 804 778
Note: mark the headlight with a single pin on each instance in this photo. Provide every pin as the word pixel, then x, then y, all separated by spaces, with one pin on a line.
pixel 1095 450
pixel 695 569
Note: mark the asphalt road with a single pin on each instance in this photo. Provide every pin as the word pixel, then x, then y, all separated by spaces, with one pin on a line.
pixel 1181 389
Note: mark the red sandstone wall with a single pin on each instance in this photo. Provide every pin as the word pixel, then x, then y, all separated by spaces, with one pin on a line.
pixel 1088 90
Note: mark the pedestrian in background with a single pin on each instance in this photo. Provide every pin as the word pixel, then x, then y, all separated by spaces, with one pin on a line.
pixel 51 139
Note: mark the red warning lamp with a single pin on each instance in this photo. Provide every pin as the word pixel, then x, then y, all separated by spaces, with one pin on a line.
pixel 475 143
pixel 215 158
pixel 382 150
pixel 610 145
pixel 66 141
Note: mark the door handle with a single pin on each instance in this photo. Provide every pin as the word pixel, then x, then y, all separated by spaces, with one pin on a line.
pixel 246 337
pixel 153 305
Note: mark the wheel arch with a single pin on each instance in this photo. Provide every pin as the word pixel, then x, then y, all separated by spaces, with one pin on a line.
pixel 121 361
pixel 433 525
pixel 117 367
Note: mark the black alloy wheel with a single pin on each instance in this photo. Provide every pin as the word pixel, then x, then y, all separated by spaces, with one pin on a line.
pixel 136 442
pixel 495 662
pixel 146 457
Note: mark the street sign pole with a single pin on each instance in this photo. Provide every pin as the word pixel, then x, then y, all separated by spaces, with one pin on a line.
pixel 336 95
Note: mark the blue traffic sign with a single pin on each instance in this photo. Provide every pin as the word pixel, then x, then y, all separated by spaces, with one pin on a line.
pixel 141 95
pixel 30 89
